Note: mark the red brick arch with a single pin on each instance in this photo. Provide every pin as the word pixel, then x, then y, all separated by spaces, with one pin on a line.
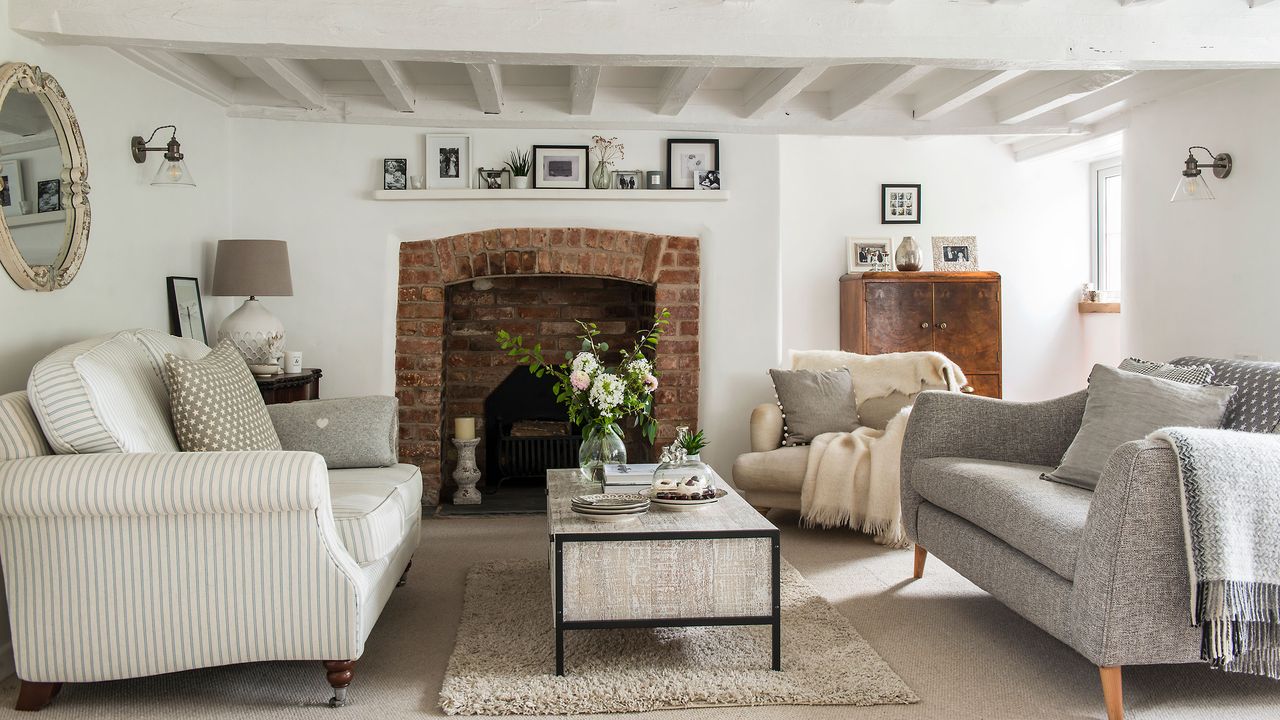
pixel 669 263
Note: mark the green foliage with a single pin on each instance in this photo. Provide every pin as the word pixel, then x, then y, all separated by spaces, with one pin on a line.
pixel 693 442
pixel 518 163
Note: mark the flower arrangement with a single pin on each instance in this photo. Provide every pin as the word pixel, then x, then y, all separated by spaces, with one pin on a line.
pixel 607 150
pixel 597 395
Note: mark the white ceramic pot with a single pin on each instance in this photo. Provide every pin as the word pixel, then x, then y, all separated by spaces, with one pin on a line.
pixel 519 182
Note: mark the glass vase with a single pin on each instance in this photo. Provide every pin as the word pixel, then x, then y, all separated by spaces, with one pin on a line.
pixel 908 255
pixel 601 446
pixel 600 176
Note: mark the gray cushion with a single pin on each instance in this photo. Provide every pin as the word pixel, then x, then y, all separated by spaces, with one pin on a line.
pixel 216 404
pixel 1256 405
pixel 814 402
pixel 1042 520
pixel 1124 406
pixel 358 432
pixel 1193 374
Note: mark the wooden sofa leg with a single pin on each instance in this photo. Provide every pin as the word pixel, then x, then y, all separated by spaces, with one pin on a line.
pixel 33 696
pixel 921 554
pixel 1112 693
pixel 404 576
pixel 339 673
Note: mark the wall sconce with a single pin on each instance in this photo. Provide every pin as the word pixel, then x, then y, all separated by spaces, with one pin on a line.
pixel 1192 186
pixel 173 170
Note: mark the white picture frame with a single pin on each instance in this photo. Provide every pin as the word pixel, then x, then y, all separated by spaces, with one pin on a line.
pixel 955 253
pixel 11 193
pixel 448 161
pixel 862 253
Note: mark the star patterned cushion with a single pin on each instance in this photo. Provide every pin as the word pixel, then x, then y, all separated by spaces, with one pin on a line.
pixel 216 404
pixel 1256 405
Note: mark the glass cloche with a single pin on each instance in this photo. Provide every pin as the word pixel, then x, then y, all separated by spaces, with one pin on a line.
pixel 679 478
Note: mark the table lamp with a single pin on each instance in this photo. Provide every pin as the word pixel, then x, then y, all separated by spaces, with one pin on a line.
pixel 253 268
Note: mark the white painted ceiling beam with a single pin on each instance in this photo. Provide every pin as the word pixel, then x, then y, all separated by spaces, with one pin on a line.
pixel 289 78
pixel 486 78
pixel 1033 148
pixel 960 88
pixel 872 85
pixel 769 90
pixel 1136 90
pixel 391 80
pixel 678 87
pixel 195 73
pixel 583 81
pixel 1258 3
pixel 1043 94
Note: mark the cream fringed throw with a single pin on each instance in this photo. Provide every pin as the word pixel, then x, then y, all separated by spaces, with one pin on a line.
pixel 852 479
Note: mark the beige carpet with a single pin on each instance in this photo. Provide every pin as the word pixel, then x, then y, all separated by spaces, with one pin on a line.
pixel 506 649
pixel 964 654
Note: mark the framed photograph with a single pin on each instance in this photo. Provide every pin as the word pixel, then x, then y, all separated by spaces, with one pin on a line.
pixel 686 157
pixel 706 180
pixel 395 174
pixel 900 204
pixel 186 312
pixel 48 195
pixel 11 196
pixel 491 179
pixel 626 180
pixel 951 253
pixel 448 161
pixel 865 254
pixel 560 166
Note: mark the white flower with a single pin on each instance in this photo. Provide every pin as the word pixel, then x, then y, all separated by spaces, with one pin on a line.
pixel 586 362
pixel 650 383
pixel 606 392
pixel 639 367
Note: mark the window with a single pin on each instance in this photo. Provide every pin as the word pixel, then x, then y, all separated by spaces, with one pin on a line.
pixel 1105 236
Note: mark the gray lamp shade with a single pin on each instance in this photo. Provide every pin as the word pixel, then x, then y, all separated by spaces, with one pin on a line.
pixel 252 267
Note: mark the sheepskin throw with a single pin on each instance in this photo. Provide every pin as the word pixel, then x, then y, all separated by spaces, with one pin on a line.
pixel 880 375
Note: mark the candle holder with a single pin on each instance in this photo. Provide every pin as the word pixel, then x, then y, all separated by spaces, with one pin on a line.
pixel 466 475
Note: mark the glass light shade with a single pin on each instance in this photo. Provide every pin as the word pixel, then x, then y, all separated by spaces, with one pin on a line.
pixel 1191 188
pixel 173 173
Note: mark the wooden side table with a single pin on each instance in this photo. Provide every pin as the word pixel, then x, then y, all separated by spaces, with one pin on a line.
pixel 290 387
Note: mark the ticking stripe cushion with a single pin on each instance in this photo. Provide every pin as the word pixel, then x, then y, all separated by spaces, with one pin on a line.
pixel 216 404
pixel 1190 374
pixel 20 435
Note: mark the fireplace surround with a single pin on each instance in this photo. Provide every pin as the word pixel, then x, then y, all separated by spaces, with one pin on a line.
pixel 669 264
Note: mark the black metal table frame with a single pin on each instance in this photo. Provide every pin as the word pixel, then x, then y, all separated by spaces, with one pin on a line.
pixel 774 619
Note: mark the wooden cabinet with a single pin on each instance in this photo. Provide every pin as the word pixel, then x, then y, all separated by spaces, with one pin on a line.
pixel 290 387
pixel 955 313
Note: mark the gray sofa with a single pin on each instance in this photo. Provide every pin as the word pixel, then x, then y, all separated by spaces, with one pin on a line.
pixel 1103 571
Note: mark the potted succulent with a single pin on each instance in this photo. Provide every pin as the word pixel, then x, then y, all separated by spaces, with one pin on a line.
pixel 519 165
pixel 692 442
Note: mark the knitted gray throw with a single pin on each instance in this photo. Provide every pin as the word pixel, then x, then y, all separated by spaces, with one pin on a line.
pixel 1230 484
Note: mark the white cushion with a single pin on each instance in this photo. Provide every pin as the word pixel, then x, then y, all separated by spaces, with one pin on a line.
pixel 102 395
pixel 374 508
pixel 158 344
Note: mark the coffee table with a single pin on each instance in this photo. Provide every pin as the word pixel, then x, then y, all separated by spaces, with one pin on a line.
pixel 717 565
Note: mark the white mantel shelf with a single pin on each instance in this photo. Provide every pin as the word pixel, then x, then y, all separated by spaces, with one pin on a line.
pixel 549 194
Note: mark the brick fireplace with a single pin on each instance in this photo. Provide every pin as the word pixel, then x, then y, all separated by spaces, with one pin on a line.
pixel 534 281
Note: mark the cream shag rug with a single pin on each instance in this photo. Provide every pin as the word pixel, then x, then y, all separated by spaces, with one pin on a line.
pixel 504 659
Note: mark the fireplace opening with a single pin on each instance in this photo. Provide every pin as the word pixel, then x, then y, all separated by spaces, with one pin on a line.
pixel 526 431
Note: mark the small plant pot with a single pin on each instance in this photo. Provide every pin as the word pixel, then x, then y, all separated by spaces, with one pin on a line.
pixel 520 182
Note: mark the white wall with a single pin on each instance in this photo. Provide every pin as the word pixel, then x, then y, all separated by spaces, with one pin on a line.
pixel 1200 277
pixel 311 184
pixel 139 234
pixel 1031 221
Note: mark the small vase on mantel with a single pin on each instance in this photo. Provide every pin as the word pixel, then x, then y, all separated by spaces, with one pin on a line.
pixel 600 176
pixel 519 182
pixel 907 258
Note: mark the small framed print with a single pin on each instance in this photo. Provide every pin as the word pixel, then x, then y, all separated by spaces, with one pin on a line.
pixel 685 158
pixel 626 180
pixel 900 204
pixel 48 195
pixel 448 161
pixel 560 166
pixel 395 174
pixel 491 179
pixel 865 254
pixel 11 197
pixel 953 253
pixel 186 312
pixel 706 180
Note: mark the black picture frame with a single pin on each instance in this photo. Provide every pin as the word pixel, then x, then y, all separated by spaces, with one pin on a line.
pixel 395 174
pixel 673 144
pixel 584 170
pixel 915 204
pixel 48 195
pixel 184 288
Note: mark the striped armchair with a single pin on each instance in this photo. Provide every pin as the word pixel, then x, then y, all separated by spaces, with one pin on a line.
pixel 122 564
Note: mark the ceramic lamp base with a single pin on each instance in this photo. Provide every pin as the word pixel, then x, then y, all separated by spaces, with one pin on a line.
pixel 252 330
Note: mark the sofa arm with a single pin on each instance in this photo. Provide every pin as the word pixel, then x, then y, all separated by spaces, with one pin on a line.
pixel 766 427
pixel 162 484
pixel 1131 600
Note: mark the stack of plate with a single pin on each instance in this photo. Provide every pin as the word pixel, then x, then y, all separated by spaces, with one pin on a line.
pixel 610 507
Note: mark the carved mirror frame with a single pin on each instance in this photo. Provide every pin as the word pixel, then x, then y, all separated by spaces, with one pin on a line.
pixel 75 173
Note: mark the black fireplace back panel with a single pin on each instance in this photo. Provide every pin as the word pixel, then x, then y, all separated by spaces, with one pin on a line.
pixel 524 396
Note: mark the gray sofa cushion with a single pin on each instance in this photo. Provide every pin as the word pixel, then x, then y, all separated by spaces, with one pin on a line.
pixel 357 432
pixel 1042 520
pixel 1123 407
pixel 814 402
pixel 1256 405
pixel 1193 374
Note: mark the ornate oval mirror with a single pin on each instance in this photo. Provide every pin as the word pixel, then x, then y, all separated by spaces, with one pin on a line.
pixel 43 181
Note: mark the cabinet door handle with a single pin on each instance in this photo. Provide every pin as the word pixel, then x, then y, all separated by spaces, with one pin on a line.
pixel 942 326
pixel 924 325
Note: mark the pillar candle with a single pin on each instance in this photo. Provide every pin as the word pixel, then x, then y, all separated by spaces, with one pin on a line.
pixel 464 428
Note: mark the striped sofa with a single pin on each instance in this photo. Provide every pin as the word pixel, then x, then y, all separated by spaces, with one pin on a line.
pixel 124 557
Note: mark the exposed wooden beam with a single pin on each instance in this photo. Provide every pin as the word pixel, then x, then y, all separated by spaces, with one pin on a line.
pixel 486 78
pixel 196 73
pixel 1032 148
pixel 289 78
pixel 1126 3
pixel 1137 90
pixel 874 84
pixel 960 88
pixel 678 87
pixel 1259 3
pixel 769 90
pixel 1044 94
pixel 583 81
pixel 390 79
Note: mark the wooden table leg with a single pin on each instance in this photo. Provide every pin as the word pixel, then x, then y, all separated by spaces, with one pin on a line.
pixel 921 555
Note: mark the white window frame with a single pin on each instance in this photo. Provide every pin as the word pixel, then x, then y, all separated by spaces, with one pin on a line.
pixel 1099 171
